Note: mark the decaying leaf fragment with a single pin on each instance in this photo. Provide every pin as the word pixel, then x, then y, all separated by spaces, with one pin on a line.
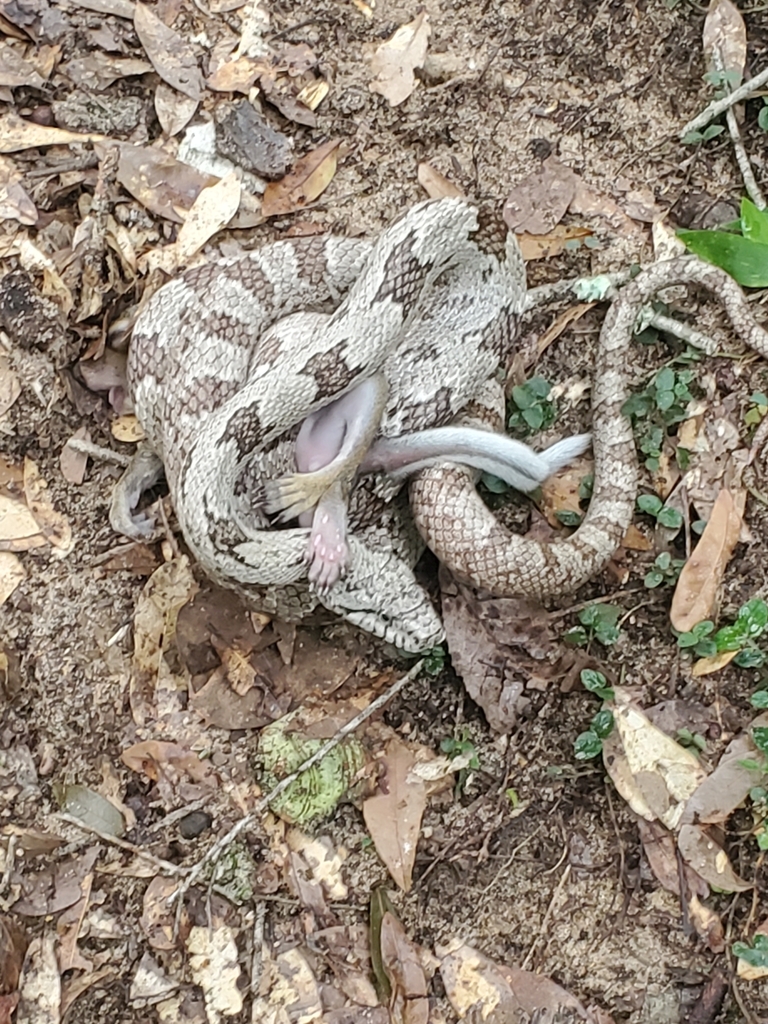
pixel 393 815
pixel 697 590
pixel 394 61
pixel 172 57
pixel 309 178
pixel 653 773
pixel 214 963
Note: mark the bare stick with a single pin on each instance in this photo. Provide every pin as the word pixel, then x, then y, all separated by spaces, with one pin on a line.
pixel 96 452
pixel 718 106
pixel 738 146
pixel 221 844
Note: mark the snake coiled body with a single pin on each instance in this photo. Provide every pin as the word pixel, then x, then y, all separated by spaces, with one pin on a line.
pixel 230 358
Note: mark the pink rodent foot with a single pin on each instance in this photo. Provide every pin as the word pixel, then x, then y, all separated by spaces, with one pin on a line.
pixel 327 551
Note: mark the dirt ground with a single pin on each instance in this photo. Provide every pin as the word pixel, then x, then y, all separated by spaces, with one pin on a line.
pixel 559 884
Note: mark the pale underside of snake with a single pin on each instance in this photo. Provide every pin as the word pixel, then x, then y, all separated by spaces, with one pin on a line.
pixel 356 365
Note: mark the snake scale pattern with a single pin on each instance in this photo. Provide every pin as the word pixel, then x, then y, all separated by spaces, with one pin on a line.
pixel 230 358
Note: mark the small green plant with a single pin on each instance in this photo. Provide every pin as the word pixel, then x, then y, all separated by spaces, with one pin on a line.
pixel 710 132
pixel 742 253
pixel 756 954
pixel 598 622
pixel 457 747
pixel 664 515
pixel 589 744
pixel 664 571
pixel 686 738
pixel 759 794
pixel 759 700
pixel 656 408
pixel 531 408
pixel 750 624
pixel 434 660
pixel 757 409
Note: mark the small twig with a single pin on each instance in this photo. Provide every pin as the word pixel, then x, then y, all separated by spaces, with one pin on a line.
pixel 257 963
pixel 555 895
pixel 718 106
pixel 221 844
pixel 95 451
pixel 163 865
pixel 742 158
pixel 682 331
pixel 546 293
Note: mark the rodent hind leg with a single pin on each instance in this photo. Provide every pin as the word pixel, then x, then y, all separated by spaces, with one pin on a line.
pixel 143 472
pixel 329 447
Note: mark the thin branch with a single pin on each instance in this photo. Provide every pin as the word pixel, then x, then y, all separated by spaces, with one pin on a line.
pixel 221 844
pixel 717 107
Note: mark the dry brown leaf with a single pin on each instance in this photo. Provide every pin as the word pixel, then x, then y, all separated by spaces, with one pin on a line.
pixel 726 34
pixel 158 917
pixel 15 204
pixel 13 945
pixel 544 247
pixel 127 429
pixel 53 524
pixel 11 574
pixel 560 493
pixel 588 203
pixel 708 666
pixel 480 988
pixel 653 773
pixel 16 69
pixel 409 1003
pixel 19 530
pixel 435 184
pixel 728 786
pixel 708 859
pixel 393 62
pixel 73 463
pixel 165 186
pixel 393 815
pixel 40 984
pixel 154 631
pixel 171 55
pixel 215 966
pixel 10 385
pixel 237 75
pixel 698 587
pixel 537 203
pixel 213 209
pixel 17 135
pixel 309 178
pixel 635 540
pixel 661 850
pixel 173 108
pixel 708 925
pixel 555 329
pixel 292 991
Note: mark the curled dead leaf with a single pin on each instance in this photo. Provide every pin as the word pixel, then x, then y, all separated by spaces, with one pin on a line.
pixel 309 178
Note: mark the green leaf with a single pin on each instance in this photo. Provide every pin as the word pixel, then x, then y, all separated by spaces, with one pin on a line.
pixel 755 615
pixel 744 259
pixel 534 417
pixel 712 131
pixel 568 518
pixel 705 649
pixel 665 400
pixel 762 840
pixel 653 579
pixel 759 699
pixel 760 738
pixel 650 503
pixel 587 745
pixel 607 635
pixel 592 680
pixel 523 397
pixel 762 119
pixel 539 387
pixel 755 955
pixel 759 398
pixel 665 379
pixel 752 657
pixel 602 723
pixel 576 636
pixel 754 222
pixel 494 484
pixel 670 518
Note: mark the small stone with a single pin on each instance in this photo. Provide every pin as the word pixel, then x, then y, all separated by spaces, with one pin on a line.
pixel 194 824
pixel 244 136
